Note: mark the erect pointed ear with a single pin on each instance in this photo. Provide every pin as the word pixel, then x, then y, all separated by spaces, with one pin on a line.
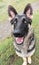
pixel 28 8
pixel 11 11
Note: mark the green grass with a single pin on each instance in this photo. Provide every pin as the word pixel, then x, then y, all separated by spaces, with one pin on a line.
pixel 18 4
pixel 7 52
pixel 36 30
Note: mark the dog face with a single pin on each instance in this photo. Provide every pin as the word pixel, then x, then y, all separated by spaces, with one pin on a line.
pixel 20 22
pixel 20 25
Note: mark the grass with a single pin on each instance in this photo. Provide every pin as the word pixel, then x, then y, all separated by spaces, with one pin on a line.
pixel 7 52
pixel 18 4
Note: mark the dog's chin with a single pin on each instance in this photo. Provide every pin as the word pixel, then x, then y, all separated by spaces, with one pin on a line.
pixel 19 40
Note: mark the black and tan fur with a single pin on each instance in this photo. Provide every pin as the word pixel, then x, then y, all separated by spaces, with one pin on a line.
pixel 27 49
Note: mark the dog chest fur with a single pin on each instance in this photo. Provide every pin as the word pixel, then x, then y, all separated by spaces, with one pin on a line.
pixel 28 47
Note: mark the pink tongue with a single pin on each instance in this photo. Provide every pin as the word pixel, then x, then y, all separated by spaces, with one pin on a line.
pixel 19 40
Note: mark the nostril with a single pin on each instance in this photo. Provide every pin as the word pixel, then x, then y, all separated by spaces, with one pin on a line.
pixel 16 33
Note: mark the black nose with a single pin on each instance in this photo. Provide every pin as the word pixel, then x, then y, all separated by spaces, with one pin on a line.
pixel 17 33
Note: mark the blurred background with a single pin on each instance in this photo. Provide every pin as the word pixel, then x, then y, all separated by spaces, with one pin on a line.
pixel 7 52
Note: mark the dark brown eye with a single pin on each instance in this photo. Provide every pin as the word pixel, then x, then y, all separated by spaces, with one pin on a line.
pixel 24 20
pixel 15 21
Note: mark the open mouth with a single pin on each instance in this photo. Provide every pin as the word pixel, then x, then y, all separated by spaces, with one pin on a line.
pixel 19 40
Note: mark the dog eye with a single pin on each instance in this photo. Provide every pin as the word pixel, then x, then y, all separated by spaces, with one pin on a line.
pixel 15 21
pixel 24 21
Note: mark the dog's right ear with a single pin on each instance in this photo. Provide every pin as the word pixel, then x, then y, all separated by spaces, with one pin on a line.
pixel 11 11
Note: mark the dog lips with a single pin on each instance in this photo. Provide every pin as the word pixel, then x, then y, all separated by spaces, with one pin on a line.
pixel 19 40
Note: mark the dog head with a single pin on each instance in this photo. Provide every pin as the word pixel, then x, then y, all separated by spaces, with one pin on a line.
pixel 21 24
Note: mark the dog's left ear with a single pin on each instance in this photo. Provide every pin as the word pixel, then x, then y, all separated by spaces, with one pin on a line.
pixel 28 6
pixel 28 12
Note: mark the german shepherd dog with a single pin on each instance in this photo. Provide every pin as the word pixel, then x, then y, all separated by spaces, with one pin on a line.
pixel 24 40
